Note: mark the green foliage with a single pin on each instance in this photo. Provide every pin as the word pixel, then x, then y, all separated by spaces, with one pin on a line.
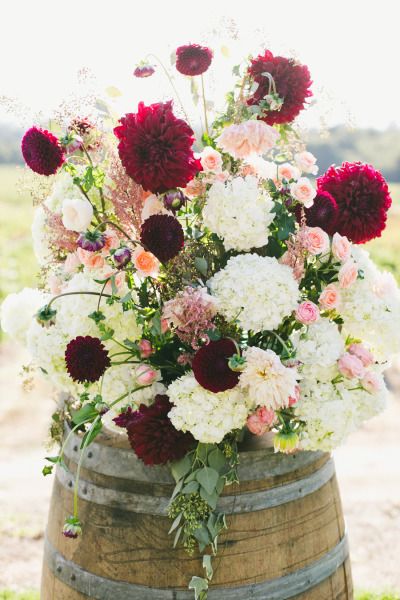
pixel 362 595
pixel 10 595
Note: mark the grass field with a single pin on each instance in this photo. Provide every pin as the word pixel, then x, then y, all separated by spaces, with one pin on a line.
pixel 18 267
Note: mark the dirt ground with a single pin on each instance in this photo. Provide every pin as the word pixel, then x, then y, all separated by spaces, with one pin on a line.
pixel 368 468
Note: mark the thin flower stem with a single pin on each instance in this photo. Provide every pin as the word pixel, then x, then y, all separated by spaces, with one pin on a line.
pixel 204 104
pixel 134 242
pixel 278 337
pixel 101 292
pixel 66 441
pixel 75 294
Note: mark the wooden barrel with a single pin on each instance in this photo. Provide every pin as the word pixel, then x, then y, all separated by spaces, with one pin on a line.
pixel 285 538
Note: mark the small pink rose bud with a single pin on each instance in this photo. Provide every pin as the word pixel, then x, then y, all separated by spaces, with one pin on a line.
pixel 307 312
pixel 145 348
pixel 145 375
pixel 350 366
pixel 348 274
pixel 330 297
pixel 341 247
pixel 164 326
pixel 362 353
pixel 371 382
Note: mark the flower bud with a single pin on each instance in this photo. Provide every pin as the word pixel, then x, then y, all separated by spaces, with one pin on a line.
pixel 144 69
pixel 45 316
pixel 145 375
pixel 174 200
pixel 121 257
pixel 286 442
pixel 102 408
pixel 72 527
pixel 91 241
pixel 145 348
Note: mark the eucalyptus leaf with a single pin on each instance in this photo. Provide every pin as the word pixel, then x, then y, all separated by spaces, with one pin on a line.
pixel 217 460
pixel 208 477
pixel 177 536
pixel 175 523
pixel 211 499
pixel 201 265
pixel 208 566
pixel 181 467
pixel 202 535
pixel 200 587
pixel 190 488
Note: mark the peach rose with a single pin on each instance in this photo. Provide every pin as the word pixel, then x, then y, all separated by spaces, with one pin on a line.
pixel 307 312
pixel 72 263
pixel 348 274
pixel 303 191
pixel 341 247
pixel 145 262
pixel 261 421
pixel 362 353
pixel 91 260
pixel 119 281
pixel 249 137
pixel 111 241
pixel 195 187
pixel 315 240
pixel 371 382
pixel 306 162
pixel 329 297
pixel 288 172
pixel 211 160
pixel 145 375
pixel 350 366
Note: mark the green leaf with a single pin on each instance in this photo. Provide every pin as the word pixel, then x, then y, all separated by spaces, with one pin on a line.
pixel 98 177
pixel 208 566
pixel 190 488
pixel 202 535
pixel 91 434
pixel 177 489
pixel 201 265
pixel 52 459
pixel 217 460
pixel 211 499
pixel 213 334
pixel 97 316
pixel 200 587
pixel 203 451
pixel 181 467
pixel 208 478
pixel 47 470
pixel 175 523
pixel 85 414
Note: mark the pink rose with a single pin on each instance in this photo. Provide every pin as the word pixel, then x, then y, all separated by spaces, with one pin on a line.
pixel 91 260
pixel 211 160
pixel 307 312
pixel 371 382
pixel 351 366
pixel 72 263
pixel 341 247
pixel 195 187
pixel 329 297
pixel 315 240
pixel 266 415
pixel 145 375
pixel 362 353
pixel 145 348
pixel 306 162
pixel 119 281
pixel 111 241
pixel 303 191
pixel 256 426
pixel 288 172
pixel 250 137
pixel 348 274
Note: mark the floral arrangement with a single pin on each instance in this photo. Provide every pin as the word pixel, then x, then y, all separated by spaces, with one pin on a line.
pixel 194 290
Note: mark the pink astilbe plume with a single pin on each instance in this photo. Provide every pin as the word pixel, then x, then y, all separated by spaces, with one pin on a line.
pixel 190 314
pixel 126 195
pixel 294 257
pixel 59 237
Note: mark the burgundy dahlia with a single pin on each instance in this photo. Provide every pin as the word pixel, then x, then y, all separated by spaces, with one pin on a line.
pixel 152 435
pixel 323 213
pixel 193 59
pixel 163 236
pixel 86 359
pixel 210 366
pixel 155 148
pixel 362 197
pixel 292 83
pixel 42 151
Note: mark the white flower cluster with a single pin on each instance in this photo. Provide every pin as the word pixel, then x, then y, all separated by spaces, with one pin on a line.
pixel 256 290
pixel 239 212
pixel 332 412
pixel 18 310
pixel 208 416
pixel 370 308
pixel 47 345
pixel 318 347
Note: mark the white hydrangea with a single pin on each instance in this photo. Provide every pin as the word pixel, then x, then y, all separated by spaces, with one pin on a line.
pixel 239 212
pixel 332 412
pixel 256 290
pixel 264 169
pixel 318 347
pixel 266 379
pixel 370 308
pixel 63 187
pixel 208 416
pixel 47 345
pixel 40 237
pixel 17 312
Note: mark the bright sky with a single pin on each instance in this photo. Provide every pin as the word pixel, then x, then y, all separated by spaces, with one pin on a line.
pixel 350 46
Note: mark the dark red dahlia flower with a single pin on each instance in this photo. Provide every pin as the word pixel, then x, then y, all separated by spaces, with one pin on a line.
pixel 210 366
pixel 363 199
pixel 155 148
pixel 42 151
pixel 193 59
pixel 323 213
pixel 151 434
pixel 292 82
pixel 163 236
pixel 86 359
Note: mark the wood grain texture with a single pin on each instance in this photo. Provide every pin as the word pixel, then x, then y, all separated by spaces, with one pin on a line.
pixel 258 546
